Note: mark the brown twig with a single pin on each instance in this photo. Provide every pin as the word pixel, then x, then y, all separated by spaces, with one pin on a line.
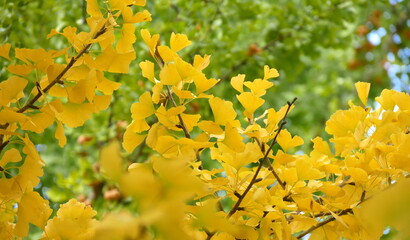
pixel 282 123
pixel 261 162
pixel 320 224
pixel 57 79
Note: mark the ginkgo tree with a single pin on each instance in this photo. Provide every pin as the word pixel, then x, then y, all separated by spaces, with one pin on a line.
pixel 231 176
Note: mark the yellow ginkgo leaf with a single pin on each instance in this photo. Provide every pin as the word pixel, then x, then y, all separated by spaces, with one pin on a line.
pixel 183 94
pixel 112 61
pixel 237 82
pixel 38 122
pixel 233 139
pixel 143 16
pixel 111 161
pixel 124 44
pixel 76 215
pixel 54 70
pixel 258 86
pixel 33 209
pixel 169 75
pixel 20 69
pixel 131 140
pixel 223 111
pixel 167 55
pixel 306 171
pixel 150 41
pixel 269 72
pixel 101 102
pixel 179 41
pixel 138 125
pixel 210 127
pixel 4 50
pixel 250 102
pixel 156 92
pixel 8 115
pixel 144 108
pixel 359 175
pixel 75 115
pixel 362 89
pixel 202 83
pixel 84 89
pixel 286 141
pixel 11 155
pixel 59 135
pixel 93 9
pixel 106 86
pixel 190 120
pixel 12 90
pixel 147 69
pixel 200 63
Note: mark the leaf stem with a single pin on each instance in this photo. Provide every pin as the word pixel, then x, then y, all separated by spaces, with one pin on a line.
pixel 265 159
pixel 56 80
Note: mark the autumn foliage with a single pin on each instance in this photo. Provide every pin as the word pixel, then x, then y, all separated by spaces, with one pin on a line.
pixel 259 188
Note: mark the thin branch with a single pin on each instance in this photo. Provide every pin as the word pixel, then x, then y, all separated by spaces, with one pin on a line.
pixel 282 123
pixel 181 121
pixel 265 159
pixel 320 224
pixel 73 60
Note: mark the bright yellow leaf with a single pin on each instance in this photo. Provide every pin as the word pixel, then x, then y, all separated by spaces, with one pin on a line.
pixel 237 82
pixel 33 209
pixel 286 141
pixel 144 108
pixel 233 139
pixel 75 115
pixel 20 69
pixel 106 86
pixel 202 83
pixel 269 72
pixel 125 43
pixel 258 86
pixel 93 9
pixel 179 41
pixel 362 89
pixel 4 50
pixel 111 161
pixel 223 111
pixel 210 127
pixel 7 115
pixel 169 75
pixel 131 140
pixel 11 90
pixel 150 41
pixel 250 102
pixel 74 220
pixel 59 135
pixel 112 61
pixel 200 63
pixel 147 69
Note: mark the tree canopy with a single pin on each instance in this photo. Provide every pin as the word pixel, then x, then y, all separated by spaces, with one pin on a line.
pixel 320 50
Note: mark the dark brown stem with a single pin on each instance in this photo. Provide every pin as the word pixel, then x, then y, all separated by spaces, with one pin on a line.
pixel 331 219
pixel 73 60
pixel 261 162
pixel 181 121
pixel 282 123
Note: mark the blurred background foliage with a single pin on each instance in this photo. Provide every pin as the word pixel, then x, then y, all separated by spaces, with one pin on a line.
pixel 321 48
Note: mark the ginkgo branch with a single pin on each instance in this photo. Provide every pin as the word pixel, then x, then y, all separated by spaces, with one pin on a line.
pixel 56 80
pixel 182 124
pixel 254 179
pixel 181 121
pixel 265 157
pixel 321 224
